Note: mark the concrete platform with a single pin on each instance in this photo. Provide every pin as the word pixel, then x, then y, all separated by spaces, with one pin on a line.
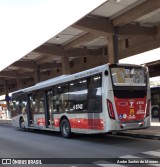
pixel 152 132
pixel 6 121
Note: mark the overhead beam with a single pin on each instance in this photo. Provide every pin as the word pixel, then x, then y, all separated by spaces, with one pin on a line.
pixel 136 12
pixel 82 52
pixel 154 64
pixel 46 59
pixel 49 66
pixel 77 52
pixel 14 74
pixel 130 30
pixel 8 74
pixel 24 64
pixel 50 49
pixel 10 81
pixel 96 52
pixel 95 25
pixel 81 40
pixel 26 75
pixel 154 73
pixel 139 48
pixel 98 26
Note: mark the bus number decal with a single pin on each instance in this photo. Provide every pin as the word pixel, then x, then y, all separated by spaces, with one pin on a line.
pixel 140 102
pixel 78 107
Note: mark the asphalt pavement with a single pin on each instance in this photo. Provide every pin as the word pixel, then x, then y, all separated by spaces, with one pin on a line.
pixel 153 132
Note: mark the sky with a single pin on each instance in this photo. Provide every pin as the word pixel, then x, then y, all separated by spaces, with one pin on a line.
pixel 27 24
pixel 143 58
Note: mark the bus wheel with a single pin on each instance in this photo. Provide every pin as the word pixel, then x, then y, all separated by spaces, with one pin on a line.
pixel 155 112
pixel 65 128
pixel 21 124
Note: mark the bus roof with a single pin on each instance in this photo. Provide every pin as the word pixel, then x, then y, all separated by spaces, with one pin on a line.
pixel 66 78
pixel 62 79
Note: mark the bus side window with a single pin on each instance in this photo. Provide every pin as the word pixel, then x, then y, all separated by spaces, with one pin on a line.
pixel 77 96
pixel 95 94
pixel 60 98
pixel 39 102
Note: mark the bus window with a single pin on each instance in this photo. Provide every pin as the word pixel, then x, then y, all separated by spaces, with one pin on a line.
pixel 23 104
pixel 60 98
pixel 95 94
pixel 37 111
pixel 64 96
pixel 38 102
pixel 77 95
pixel 41 102
pixel 18 105
pixel 122 76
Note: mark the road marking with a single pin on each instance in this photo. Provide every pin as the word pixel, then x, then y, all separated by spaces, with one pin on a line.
pixel 154 153
pixel 129 156
pixel 154 164
pixel 106 164
pixel 147 152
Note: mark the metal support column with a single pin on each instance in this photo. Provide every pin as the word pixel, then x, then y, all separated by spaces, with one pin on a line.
pixel 115 45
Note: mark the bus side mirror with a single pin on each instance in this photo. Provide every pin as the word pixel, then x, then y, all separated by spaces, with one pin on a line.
pixel 106 72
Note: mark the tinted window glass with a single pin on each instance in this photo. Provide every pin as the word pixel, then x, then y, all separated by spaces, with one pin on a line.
pixel 95 94
pixel 77 95
pixel 127 76
pixel 60 98
pixel 18 105
pixel 39 102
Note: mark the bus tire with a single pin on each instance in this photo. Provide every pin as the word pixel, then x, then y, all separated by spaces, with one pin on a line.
pixel 65 128
pixel 22 124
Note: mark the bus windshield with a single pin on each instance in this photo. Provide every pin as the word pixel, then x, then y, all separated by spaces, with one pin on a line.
pixel 128 76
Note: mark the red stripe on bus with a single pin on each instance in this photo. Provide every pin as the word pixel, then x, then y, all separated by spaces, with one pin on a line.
pixel 84 123
pixel 56 122
pixel 80 123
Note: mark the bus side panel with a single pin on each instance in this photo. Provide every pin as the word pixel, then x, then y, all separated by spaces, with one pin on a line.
pixel 93 122
pixel 39 120
pixel 25 120
pixel 110 124
pixel 87 123
pixel 15 121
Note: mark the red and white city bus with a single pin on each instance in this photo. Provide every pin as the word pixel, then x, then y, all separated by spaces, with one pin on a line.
pixel 108 98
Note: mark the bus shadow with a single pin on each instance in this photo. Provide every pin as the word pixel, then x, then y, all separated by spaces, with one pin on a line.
pixel 105 138
pixel 93 138
pixel 42 132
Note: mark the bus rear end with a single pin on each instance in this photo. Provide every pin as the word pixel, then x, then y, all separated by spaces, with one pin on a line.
pixel 128 100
